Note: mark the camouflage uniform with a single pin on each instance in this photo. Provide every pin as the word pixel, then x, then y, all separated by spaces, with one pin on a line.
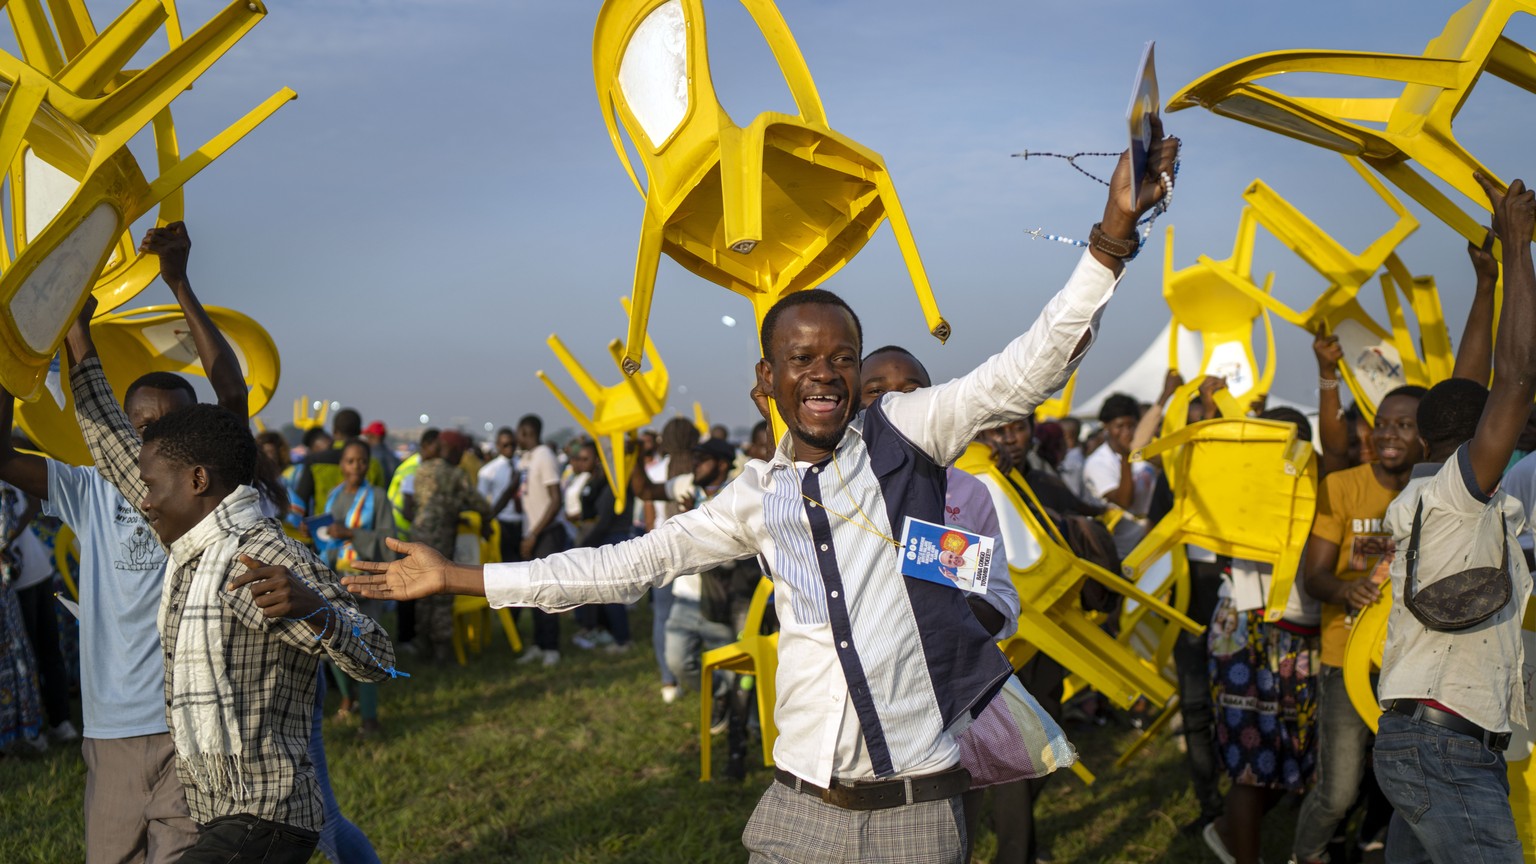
pixel 442 493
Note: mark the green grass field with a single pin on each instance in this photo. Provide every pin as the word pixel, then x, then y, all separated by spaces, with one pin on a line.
pixel 584 763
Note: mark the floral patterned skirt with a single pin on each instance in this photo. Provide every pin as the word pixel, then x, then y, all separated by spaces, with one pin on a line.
pixel 1264 691
pixel 21 712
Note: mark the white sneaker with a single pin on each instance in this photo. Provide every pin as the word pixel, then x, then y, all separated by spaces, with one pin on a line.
pixel 1213 840
pixel 669 693
pixel 602 637
pixel 584 640
pixel 616 648
pixel 64 732
pixel 551 658
pixel 40 743
pixel 531 656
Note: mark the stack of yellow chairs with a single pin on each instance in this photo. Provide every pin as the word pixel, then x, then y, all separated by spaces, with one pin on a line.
pixel 70 109
pixel 1392 134
pixel 472 615
pixel 753 654
pixel 153 338
pixel 1204 301
pixel 764 210
pixel 617 410
pixel 1051 618
pixel 1376 359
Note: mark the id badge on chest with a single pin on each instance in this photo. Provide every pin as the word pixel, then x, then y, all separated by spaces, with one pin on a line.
pixel 945 555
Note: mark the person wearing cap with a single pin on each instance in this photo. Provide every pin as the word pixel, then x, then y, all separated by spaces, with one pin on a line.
pixel 442 493
pixel 375 434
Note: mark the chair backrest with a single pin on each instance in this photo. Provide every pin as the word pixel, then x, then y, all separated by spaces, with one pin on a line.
pixel 651 66
pixel 1053 571
pixel 154 338
pixel 1204 298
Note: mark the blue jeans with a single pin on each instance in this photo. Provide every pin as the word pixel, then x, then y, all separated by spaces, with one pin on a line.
pixel 340 840
pixel 1343 743
pixel 1449 794
pixel 661 609
pixel 689 635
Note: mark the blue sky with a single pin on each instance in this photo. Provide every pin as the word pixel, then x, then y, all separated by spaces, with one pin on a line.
pixel 443 195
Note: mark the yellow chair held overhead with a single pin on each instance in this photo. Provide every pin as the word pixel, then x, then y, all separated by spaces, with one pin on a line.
pixel 617 410
pixel 1376 358
pixel 155 338
pixel 69 110
pixel 764 210
pixel 1392 134
pixel 1203 299
pixel 1246 488
pixel 754 654
pixel 304 419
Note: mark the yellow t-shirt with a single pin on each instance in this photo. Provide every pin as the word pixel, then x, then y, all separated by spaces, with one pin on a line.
pixel 1350 508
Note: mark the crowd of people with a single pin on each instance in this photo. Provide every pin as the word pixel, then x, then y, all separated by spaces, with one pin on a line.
pixel 226 579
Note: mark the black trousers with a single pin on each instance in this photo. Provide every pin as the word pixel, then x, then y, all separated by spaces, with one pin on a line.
pixel 38 615
pixel 245 839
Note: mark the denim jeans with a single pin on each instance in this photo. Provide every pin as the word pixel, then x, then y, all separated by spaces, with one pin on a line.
pixel 1449 794
pixel 246 839
pixel 661 608
pixel 1343 741
pixel 689 635
pixel 340 840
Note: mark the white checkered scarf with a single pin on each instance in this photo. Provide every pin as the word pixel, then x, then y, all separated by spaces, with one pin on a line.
pixel 204 726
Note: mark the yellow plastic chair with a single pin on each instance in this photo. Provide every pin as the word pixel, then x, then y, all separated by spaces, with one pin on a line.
pixel 765 210
pixel 754 654
pixel 1203 300
pixel 1376 359
pixel 1414 125
pixel 1059 406
pixel 700 420
pixel 137 341
pixel 66 559
pixel 304 419
pixel 1051 618
pixel 1362 661
pixel 1247 489
pixel 472 615
pixel 75 190
pixel 617 410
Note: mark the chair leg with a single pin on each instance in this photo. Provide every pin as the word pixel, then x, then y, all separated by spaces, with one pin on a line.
pixel 510 626
pixel 647 258
pixel 706 702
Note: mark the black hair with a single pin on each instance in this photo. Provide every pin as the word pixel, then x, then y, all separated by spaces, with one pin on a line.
pixel 314 435
pixel 533 422
pixel 1291 415
pixel 505 430
pixel 169 381
pixel 358 442
pixel 761 426
pixel 1413 391
pixel 428 436
pixel 273 437
pixel 897 349
pixel 1119 405
pixel 209 436
pixel 347 423
pixel 813 297
pixel 1449 412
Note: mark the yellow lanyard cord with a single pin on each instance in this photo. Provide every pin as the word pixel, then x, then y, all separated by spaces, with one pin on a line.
pixel 867 525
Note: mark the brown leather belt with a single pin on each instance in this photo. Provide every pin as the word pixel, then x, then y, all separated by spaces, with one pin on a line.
pixel 882 794
pixel 1495 741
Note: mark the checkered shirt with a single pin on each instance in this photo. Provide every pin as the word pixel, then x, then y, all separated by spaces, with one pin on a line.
pixel 271 663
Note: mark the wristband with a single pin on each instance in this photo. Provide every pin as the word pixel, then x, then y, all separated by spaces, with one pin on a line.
pixel 1115 247
pixel 1327 383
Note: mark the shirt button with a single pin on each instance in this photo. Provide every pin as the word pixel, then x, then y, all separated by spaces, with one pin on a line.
pixel 842 644
pixel 815 470
pixel 834 595
pixel 823 548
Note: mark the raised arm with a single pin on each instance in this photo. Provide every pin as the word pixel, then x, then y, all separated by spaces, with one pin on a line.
pixel 943 420
pixel 173 245
pixel 1514 358
pixel 25 471
pixel 1331 430
pixel 1474 356
pixel 111 438
pixel 1152 419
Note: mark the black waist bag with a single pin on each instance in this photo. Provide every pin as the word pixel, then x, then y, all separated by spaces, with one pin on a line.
pixel 1460 600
